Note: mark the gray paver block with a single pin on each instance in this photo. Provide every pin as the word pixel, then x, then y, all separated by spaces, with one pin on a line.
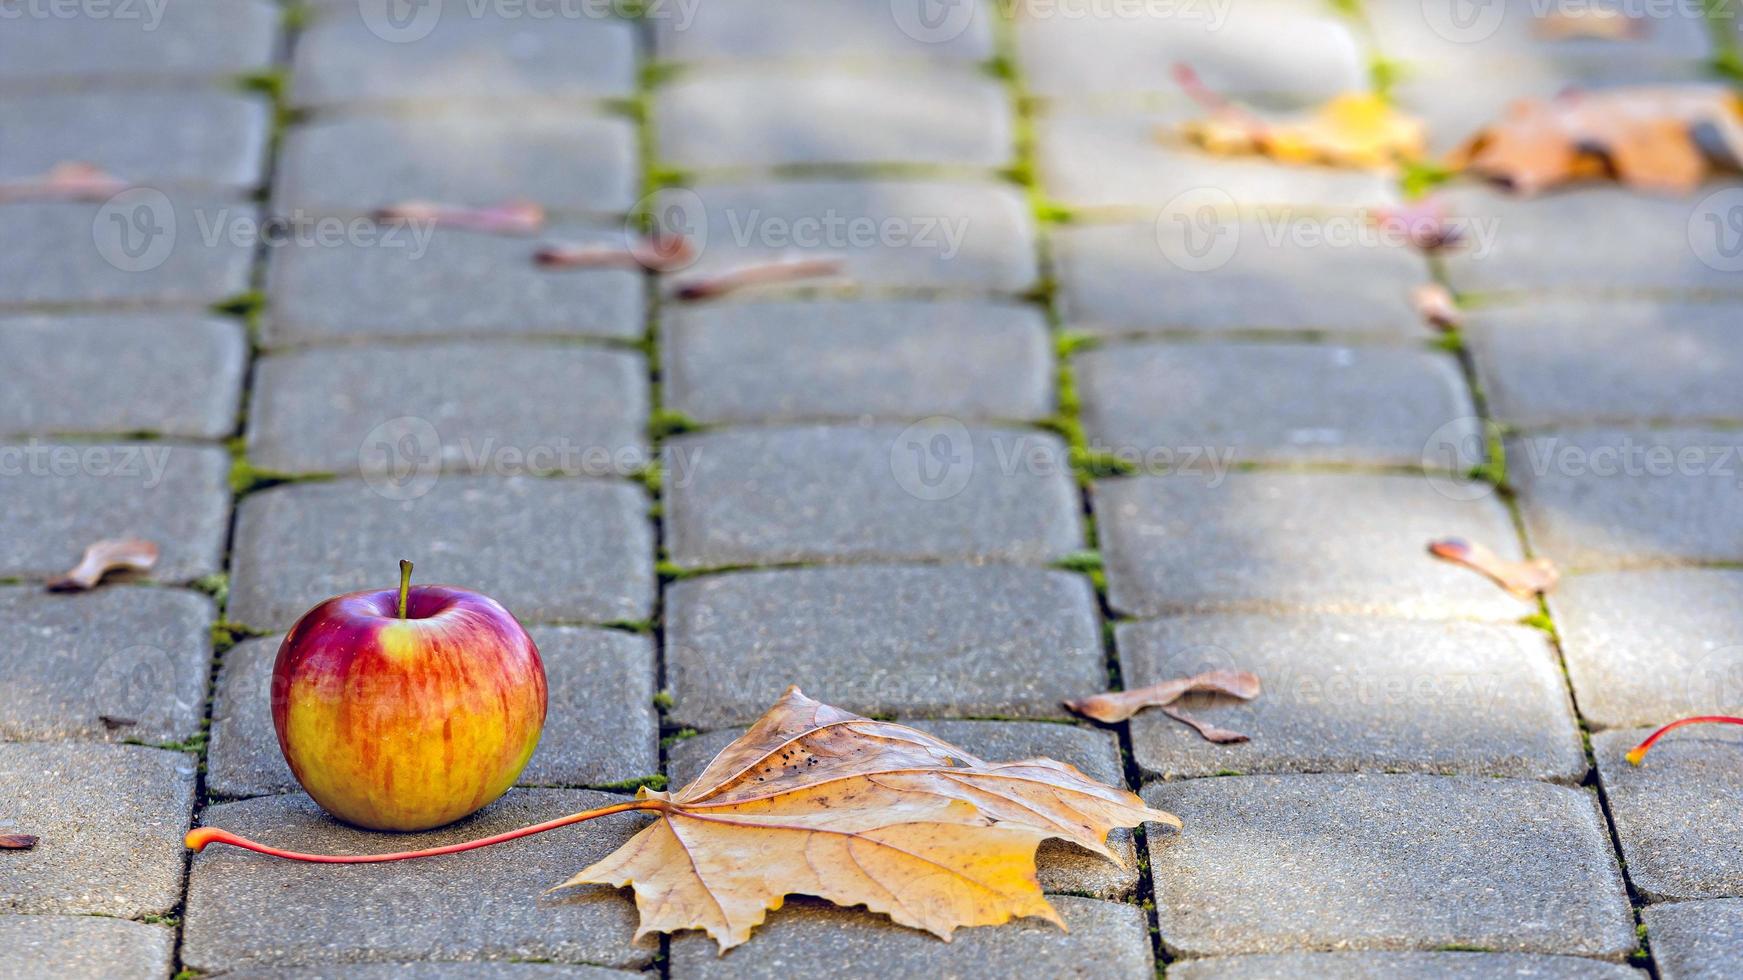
pixel 191 40
pixel 1110 276
pixel 793 361
pixel 879 639
pixel 176 376
pixel 1136 162
pixel 475 406
pixel 62 497
pixel 1355 694
pixel 1596 498
pixel 73 947
pixel 245 909
pixel 1508 39
pixel 1285 863
pixel 1299 52
pixel 547 548
pixel 1671 243
pixel 137 656
pixel 211 138
pixel 1648 647
pixel 1318 403
pixel 1697 940
pixel 1061 866
pixel 1676 813
pixel 1400 966
pixel 449 283
pixel 858 31
pixel 431 971
pixel 140 247
pixel 716 119
pixel 901 234
pixel 600 725
pixel 935 490
pixel 1334 542
pixel 1550 363
pixel 1106 939
pixel 110 819
pixel 558 158
pixel 370 52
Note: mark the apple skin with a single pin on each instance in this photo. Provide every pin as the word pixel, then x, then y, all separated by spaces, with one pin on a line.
pixel 407 724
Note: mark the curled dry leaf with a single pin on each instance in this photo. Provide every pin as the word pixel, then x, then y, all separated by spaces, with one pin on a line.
pixel 72 180
pixel 511 218
pixel 18 842
pixel 657 253
pixel 1637 754
pixel 1525 579
pixel 1436 304
pixel 1355 129
pixel 1423 223
pixel 1115 706
pixel 762 274
pixel 103 557
pixel 1208 731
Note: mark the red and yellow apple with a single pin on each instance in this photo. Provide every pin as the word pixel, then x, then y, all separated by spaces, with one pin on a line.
pixel 407 710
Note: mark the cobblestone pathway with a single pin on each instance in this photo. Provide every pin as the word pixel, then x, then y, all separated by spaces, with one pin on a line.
pixel 1081 405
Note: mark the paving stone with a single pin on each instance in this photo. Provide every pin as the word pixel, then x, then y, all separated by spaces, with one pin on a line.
pixel 794 361
pixel 1358 694
pixel 547 548
pixel 935 490
pixel 1552 362
pixel 1333 542
pixel 879 639
pixel 893 234
pixel 430 971
pixel 1122 163
pixel 1272 864
pixel 175 376
pixel 1504 38
pixel 181 41
pixel 368 52
pixel 1595 498
pixel 139 247
pixel 1106 939
pixel 558 158
pixel 245 909
pixel 1676 813
pixel 474 406
pixel 212 138
pixel 75 946
pixel 1110 275
pixel 110 819
pixel 61 497
pixel 137 656
pixel 1647 647
pixel 1671 242
pixel 1318 403
pixel 1696 940
pixel 869 32
pixel 1399 966
pixel 1062 866
pixel 722 119
pixel 448 283
pixel 1292 51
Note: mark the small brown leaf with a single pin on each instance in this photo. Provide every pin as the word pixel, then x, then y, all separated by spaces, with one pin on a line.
pixel 1422 223
pixel 103 557
pixel 1525 579
pixel 658 253
pixel 511 218
pixel 1437 306
pixel 72 180
pixel 18 842
pixel 1211 733
pixel 758 275
pixel 1354 129
pixel 113 722
pixel 1115 706
pixel 1594 23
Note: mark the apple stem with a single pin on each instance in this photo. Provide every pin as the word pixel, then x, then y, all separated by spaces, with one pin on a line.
pixel 405 584
pixel 1638 752
pixel 199 837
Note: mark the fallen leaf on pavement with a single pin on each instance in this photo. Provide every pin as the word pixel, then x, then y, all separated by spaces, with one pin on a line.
pixel 72 180
pixel 103 557
pixel 512 218
pixel 1114 706
pixel 1422 223
pixel 1355 129
pixel 1210 732
pixel 658 253
pixel 1436 304
pixel 762 274
pixel 1525 579
pixel 17 842
pixel 1637 754
pixel 818 801
pixel 1644 137
pixel 1591 23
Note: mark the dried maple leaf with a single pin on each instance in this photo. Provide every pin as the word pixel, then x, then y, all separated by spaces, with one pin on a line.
pixel 1115 706
pixel 72 180
pixel 103 557
pixel 18 842
pixel 785 270
pixel 512 218
pixel 1355 129
pixel 1206 730
pixel 1525 579
pixel 1422 223
pixel 1436 304
pixel 819 801
pixel 658 253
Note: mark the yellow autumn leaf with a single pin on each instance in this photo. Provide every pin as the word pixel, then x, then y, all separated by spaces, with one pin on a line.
pixel 1355 129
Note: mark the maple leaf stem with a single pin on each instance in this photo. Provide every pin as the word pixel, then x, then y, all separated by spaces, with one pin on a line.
pixel 1638 752
pixel 199 837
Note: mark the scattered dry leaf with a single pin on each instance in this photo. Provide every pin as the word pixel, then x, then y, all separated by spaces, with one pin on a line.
pixel 1640 136
pixel 72 180
pixel 1423 223
pixel 786 270
pixel 1114 706
pixel 1525 579
pixel 113 722
pixel 103 557
pixel 1436 304
pixel 1210 732
pixel 658 253
pixel 18 842
pixel 1593 23
pixel 511 218
pixel 1355 129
